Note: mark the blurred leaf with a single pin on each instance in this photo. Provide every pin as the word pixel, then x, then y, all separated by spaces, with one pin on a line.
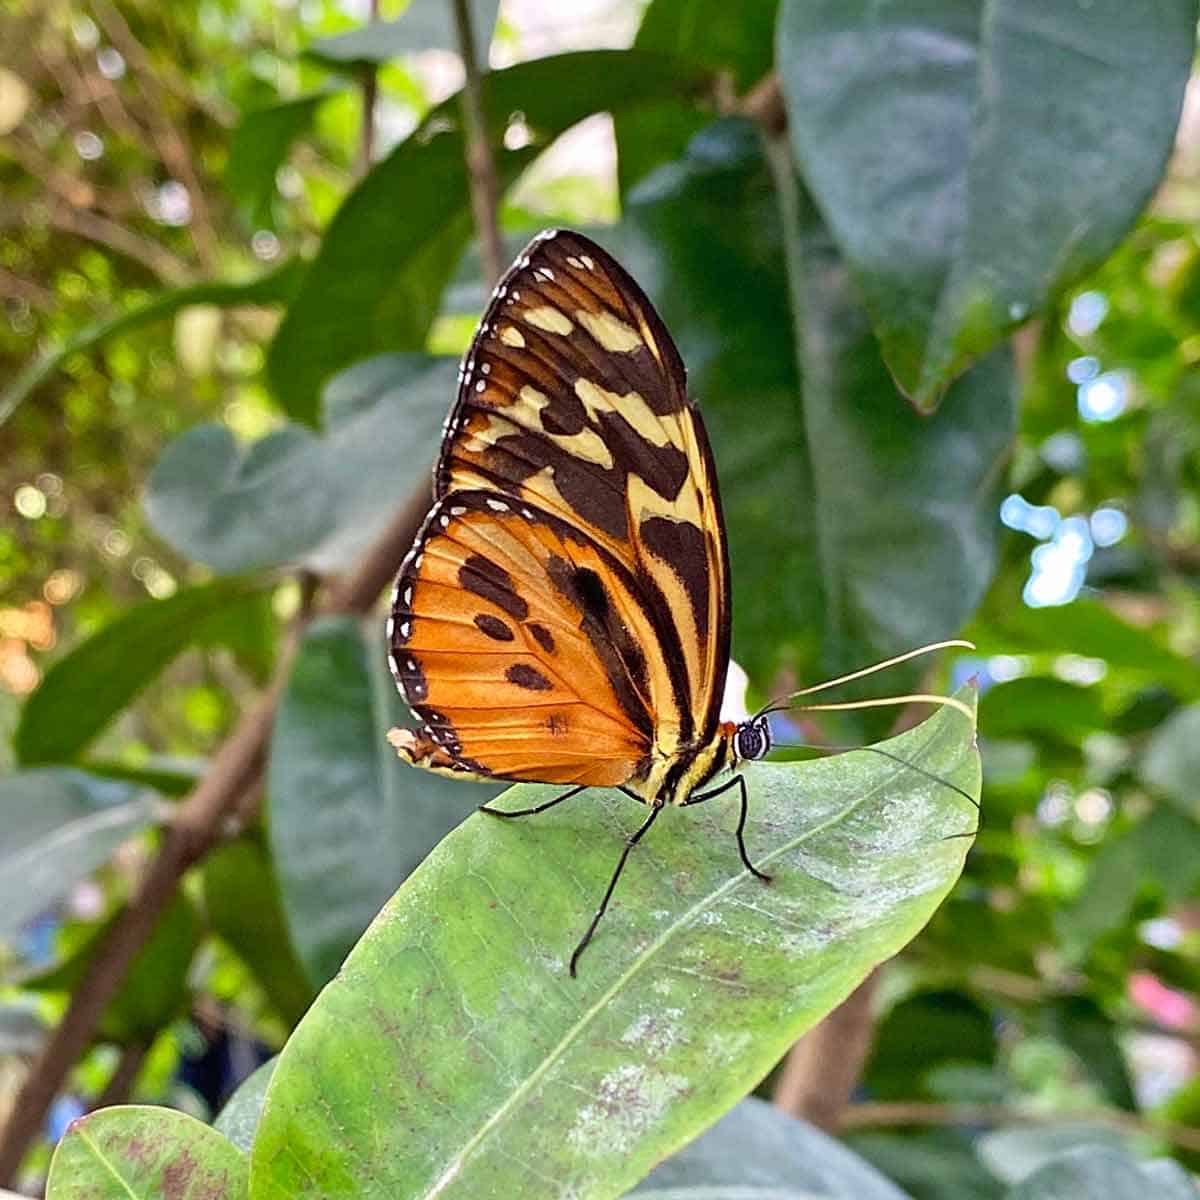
pixel 1171 761
pixel 737 39
pixel 59 826
pixel 1096 1173
pixel 85 689
pixel 168 776
pixel 275 287
pixel 1041 706
pixel 259 147
pixel 241 896
pixel 238 1120
pixel 155 988
pixel 1015 1153
pixel 921 1032
pixel 936 1165
pixel 300 498
pixel 135 1152
pixel 457 999
pixel 953 149
pixel 348 821
pixel 22 1032
pixel 870 569
pixel 424 25
pixel 377 281
pixel 1080 1024
pixel 1168 840
pixel 758 1152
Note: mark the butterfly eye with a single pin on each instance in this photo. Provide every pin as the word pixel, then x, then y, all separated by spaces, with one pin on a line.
pixel 753 739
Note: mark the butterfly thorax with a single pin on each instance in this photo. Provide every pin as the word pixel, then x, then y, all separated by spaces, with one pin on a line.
pixel 673 778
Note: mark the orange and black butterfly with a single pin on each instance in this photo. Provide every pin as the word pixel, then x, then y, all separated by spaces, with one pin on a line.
pixel 564 614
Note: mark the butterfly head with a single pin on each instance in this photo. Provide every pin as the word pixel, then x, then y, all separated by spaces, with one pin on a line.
pixel 752 738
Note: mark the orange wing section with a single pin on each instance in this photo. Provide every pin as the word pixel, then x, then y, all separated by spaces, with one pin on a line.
pixel 573 398
pixel 521 646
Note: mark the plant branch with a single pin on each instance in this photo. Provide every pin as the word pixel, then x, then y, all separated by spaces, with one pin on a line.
pixel 481 167
pixel 120 1083
pixel 370 94
pixel 868 1116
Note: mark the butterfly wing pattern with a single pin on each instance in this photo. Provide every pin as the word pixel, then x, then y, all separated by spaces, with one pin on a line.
pixel 563 616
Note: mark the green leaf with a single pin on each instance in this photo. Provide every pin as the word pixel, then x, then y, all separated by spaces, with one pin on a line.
pixel 974 159
pixel 1040 706
pixel 169 776
pixel 1096 1173
pixel 882 522
pixel 59 826
pixel 458 1001
pixel 1016 1153
pixel 347 820
pixel 86 688
pixel 276 287
pixel 757 1152
pixel 376 283
pixel 1171 761
pixel 155 989
pixel 424 25
pixel 260 145
pixel 1083 1026
pixel 238 1120
pixel 136 1152
pixel 299 498
pixel 241 897
pixel 939 1164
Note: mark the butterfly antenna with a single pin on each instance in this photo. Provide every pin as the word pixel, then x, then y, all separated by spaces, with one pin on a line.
pixel 782 702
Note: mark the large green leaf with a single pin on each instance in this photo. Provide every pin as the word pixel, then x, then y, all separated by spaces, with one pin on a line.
pixel 877 526
pixel 423 25
pixel 86 688
pixel 136 1152
pixel 973 158
pixel 453 1055
pixel 377 281
pixel 238 1120
pixel 757 1152
pixel 59 826
pixel 300 498
pixel 1097 1173
pixel 347 820
pixel 276 287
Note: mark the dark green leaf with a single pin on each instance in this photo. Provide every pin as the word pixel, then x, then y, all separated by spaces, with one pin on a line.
pixel 59 826
pixel 939 1164
pixel 348 821
pixel 86 688
pixel 276 287
pixel 377 281
pixel 973 159
pixel 424 25
pixel 1082 1025
pixel 1171 761
pixel 238 1120
pixel 757 1152
pixel 170 776
pixel 1041 706
pixel 259 147
pixel 241 897
pixel 299 498
pixel 879 525
pixel 457 1000
pixel 140 1153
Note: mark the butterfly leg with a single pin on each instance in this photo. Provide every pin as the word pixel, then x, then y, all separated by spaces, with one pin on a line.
pixel 630 842
pixel 537 808
pixel 738 781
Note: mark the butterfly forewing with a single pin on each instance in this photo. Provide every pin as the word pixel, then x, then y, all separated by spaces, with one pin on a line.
pixel 573 402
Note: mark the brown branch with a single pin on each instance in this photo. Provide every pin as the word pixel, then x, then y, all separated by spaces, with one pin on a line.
pixel 95 228
pixel 221 802
pixel 481 167
pixel 823 1067
pixel 19 288
pixel 120 1083
pixel 370 94
pixel 763 104
pixel 867 1116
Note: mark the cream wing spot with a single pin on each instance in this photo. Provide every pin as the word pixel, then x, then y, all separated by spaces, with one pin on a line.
pixel 510 335
pixel 548 318
pixel 610 331
pixel 632 406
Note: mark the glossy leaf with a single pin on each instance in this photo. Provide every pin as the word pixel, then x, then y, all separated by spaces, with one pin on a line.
pixel 458 1001
pixel 881 522
pixel 85 689
pixel 241 898
pixel 757 1152
pixel 135 1152
pixel 238 1120
pixel 59 826
pixel 376 283
pixel 300 498
pixel 423 25
pixel 973 159
pixel 275 287
pixel 347 820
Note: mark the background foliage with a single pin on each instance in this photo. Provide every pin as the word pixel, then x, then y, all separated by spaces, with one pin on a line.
pixel 935 272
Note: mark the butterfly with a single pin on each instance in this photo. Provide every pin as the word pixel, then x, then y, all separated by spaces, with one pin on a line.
pixel 563 616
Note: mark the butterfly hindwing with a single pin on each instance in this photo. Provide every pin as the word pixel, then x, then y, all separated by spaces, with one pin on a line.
pixel 573 399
